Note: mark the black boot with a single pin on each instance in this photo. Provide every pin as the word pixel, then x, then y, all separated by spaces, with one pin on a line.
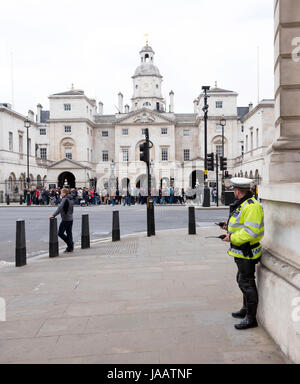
pixel 248 322
pixel 241 314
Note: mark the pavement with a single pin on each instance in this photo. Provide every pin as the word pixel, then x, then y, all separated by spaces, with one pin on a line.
pixel 161 300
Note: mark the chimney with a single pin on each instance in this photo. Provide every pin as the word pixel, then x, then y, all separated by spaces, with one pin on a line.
pixel 250 107
pixel 39 113
pixel 171 108
pixel 196 103
pixel 31 115
pixel 100 104
pixel 126 108
pixel 120 102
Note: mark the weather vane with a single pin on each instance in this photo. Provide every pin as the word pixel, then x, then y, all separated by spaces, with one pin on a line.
pixel 147 35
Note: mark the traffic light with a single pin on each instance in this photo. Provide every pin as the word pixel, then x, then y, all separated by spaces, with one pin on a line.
pixel 223 163
pixel 144 152
pixel 210 162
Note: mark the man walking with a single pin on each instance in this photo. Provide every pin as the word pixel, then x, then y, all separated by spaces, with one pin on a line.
pixel 65 209
pixel 245 231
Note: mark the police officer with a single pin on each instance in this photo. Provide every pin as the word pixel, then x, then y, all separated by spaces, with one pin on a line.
pixel 245 229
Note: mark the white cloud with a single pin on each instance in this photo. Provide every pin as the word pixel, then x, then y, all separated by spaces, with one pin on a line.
pixel 95 45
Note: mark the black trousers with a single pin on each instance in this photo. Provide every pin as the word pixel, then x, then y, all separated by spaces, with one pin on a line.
pixel 66 226
pixel 246 281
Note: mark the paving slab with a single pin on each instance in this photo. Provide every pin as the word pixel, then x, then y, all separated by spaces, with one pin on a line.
pixel 165 299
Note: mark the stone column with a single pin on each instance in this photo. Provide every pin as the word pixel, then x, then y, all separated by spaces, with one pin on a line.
pixel 279 272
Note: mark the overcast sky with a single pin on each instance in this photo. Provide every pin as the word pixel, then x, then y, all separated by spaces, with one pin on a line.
pixel 95 45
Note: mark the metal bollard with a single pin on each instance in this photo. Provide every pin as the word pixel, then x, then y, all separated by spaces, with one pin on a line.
pixel 85 232
pixel 152 218
pixel 53 239
pixel 20 244
pixel 116 227
pixel 21 200
pixel 192 221
pixel 7 199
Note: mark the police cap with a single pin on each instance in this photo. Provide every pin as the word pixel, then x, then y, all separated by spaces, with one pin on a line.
pixel 241 182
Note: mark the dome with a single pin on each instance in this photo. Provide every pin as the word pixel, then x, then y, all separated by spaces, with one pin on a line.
pixel 147 69
pixel 146 48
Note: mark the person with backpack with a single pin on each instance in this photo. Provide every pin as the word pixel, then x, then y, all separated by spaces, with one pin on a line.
pixel 65 209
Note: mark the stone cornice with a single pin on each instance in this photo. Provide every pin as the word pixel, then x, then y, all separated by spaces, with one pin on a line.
pixel 74 120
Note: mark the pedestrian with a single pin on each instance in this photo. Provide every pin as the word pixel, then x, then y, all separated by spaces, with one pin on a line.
pixel 65 209
pixel 245 231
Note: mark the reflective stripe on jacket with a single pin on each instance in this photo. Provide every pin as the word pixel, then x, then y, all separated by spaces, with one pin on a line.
pixel 246 225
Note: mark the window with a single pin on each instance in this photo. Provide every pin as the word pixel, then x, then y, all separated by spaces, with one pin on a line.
pixel 144 131
pixel 246 143
pixel 67 107
pixel 20 143
pixel 186 132
pixel 68 129
pixel 69 153
pixel 10 141
pixel 136 87
pixel 218 128
pixel 43 132
pixel 104 156
pixel 164 131
pixel 104 133
pixel 186 155
pixel 147 104
pixel 251 141
pixel 219 104
pixel 157 86
pixel 125 132
pixel 219 150
pixel 257 138
pixel 242 150
pixel 43 153
pixel 125 155
pixel 242 128
pixel 164 154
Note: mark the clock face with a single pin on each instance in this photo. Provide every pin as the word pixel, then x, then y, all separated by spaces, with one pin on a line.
pixel 146 86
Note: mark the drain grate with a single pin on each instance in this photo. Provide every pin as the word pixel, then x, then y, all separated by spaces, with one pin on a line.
pixel 126 247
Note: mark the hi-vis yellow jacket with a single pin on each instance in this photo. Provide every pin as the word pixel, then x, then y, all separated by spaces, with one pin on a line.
pixel 246 225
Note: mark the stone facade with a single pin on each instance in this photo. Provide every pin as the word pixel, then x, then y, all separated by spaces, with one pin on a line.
pixel 95 145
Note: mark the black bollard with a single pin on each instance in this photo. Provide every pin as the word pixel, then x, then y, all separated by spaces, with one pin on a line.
pixel 21 200
pixel 20 244
pixel 152 218
pixel 7 199
pixel 85 232
pixel 53 239
pixel 116 227
pixel 192 221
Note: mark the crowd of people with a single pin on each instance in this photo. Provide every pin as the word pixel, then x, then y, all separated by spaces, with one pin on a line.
pixel 90 196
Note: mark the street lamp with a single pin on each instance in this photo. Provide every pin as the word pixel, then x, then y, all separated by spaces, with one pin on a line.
pixel 27 125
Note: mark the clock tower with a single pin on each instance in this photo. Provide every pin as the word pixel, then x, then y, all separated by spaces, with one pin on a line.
pixel 147 83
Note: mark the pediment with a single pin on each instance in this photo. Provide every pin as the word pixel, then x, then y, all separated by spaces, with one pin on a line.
pixel 67 164
pixel 145 116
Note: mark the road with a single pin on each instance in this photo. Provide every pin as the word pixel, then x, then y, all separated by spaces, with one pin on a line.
pixel 132 220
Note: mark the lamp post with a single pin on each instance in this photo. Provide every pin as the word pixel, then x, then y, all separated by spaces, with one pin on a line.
pixel 223 123
pixel 206 198
pixel 27 125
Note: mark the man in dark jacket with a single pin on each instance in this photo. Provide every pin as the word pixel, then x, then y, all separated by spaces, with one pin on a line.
pixel 65 209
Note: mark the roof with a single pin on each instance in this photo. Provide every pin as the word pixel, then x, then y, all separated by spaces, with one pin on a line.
pixel 185 118
pixel 105 119
pixel 242 111
pixel 219 90
pixel 147 69
pixel 72 92
pixel 147 48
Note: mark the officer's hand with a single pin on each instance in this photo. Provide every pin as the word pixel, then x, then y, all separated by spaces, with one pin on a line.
pixel 224 226
pixel 51 217
pixel 227 238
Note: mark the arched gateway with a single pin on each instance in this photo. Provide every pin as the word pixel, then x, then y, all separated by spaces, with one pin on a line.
pixel 66 178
